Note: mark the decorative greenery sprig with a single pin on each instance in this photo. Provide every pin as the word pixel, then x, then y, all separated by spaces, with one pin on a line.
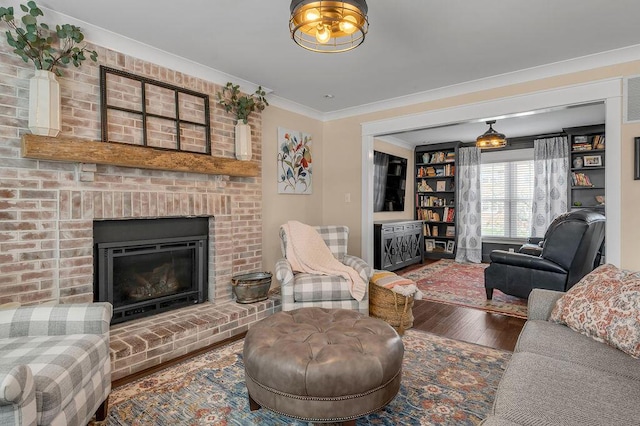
pixel 37 42
pixel 241 106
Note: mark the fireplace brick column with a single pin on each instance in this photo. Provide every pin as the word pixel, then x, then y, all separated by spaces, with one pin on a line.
pixel 47 209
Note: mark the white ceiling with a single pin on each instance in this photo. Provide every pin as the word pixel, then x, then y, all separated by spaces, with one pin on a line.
pixel 412 46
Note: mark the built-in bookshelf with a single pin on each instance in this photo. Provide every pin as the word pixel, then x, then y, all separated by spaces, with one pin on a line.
pixel 435 198
pixel 587 146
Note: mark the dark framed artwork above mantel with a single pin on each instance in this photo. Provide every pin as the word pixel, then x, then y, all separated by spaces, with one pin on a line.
pixel 636 158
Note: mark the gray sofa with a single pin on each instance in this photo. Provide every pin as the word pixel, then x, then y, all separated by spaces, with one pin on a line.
pixel 559 377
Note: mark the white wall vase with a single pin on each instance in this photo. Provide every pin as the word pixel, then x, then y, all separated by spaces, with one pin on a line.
pixel 44 104
pixel 243 141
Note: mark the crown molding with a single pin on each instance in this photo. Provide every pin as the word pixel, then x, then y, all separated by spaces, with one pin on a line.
pixel 597 60
pixel 295 107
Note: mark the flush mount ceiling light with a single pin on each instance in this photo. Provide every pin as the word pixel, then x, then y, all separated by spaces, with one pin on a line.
pixel 491 138
pixel 328 26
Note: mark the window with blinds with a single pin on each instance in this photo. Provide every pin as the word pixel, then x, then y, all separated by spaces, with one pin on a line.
pixel 507 194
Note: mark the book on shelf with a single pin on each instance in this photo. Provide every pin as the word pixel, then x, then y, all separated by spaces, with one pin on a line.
pixel 451 231
pixel 425 230
pixel 426 172
pixel 598 142
pixel 581 147
pixel 429 201
pixel 449 170
pixel 439 157
pixel 448 214
pixel 580 179
pixel 428 215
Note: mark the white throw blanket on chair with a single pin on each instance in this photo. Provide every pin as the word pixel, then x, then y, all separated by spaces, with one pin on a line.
pixel 307 252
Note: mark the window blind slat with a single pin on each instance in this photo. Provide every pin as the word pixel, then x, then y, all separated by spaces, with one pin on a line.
pixel 507 193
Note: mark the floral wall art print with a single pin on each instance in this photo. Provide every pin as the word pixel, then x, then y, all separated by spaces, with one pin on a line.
pixel 294 162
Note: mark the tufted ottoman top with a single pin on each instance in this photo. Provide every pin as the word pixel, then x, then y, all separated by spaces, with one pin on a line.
pixel 315 352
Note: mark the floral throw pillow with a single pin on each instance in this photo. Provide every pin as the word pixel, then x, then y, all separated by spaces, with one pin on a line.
pixel 604 305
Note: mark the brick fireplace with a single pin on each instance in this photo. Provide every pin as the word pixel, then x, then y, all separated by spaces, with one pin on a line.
pixel 48 209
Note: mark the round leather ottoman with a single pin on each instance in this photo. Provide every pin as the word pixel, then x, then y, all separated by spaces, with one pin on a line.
pixel 322 365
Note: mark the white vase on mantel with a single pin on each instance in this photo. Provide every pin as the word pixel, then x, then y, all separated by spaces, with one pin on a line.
pixel 243 141
pixel 44 104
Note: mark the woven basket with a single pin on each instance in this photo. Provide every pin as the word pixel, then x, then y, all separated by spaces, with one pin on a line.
pixel 391 307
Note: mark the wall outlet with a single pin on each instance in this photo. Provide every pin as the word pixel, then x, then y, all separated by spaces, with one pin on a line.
pixel 347 197
pixel 511 250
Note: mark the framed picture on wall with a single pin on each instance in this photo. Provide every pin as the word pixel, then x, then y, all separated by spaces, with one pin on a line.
pixel 294 162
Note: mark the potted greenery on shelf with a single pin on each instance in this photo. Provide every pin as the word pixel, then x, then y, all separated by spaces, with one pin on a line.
pixel 48 50
pixel 234 102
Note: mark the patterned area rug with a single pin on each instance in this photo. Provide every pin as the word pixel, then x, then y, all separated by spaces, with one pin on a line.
pixel 446 281
pixel 444 382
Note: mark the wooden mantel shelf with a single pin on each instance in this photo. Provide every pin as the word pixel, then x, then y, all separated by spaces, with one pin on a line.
pixel 125 155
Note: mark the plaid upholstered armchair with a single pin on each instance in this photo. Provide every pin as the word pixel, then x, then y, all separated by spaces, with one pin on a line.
pixel 301 290
pixel 54 364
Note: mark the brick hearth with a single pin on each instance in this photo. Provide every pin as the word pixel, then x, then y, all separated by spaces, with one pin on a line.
pixel 140 344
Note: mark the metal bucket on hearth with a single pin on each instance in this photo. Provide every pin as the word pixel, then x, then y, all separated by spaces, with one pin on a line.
pixel 251 287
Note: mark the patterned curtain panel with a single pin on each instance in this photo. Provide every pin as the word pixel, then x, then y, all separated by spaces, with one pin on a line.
pixel 381 165
pixel 550 192
pixel 469 208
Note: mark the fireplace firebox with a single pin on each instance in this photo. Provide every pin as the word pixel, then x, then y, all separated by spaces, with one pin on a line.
pixel 148 266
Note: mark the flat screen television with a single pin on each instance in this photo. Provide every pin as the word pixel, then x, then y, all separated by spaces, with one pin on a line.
pixel 389 182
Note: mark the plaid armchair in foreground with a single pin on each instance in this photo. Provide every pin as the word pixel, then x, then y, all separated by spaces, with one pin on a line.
pixel 302 290
pixel 54 364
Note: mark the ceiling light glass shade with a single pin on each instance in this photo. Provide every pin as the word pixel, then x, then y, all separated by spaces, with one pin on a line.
pixel 328 26
pixel 491 138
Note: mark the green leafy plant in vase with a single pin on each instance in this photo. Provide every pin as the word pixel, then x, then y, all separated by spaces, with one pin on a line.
pixel 49 50
pixel 241 106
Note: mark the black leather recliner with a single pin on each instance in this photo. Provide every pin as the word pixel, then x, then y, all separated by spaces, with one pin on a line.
pixel 570 250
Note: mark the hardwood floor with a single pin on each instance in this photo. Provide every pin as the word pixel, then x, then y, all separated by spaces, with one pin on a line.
pixel 466 324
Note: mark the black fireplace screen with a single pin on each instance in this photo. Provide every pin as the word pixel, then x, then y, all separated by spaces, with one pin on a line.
pixel 147 273
pixel 145 277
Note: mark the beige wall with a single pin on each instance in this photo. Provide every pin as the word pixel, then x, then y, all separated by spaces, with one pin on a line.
pixel 279 208
pixel 343 147
pixel 343 175
pixel 630 199
pixel 409 203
